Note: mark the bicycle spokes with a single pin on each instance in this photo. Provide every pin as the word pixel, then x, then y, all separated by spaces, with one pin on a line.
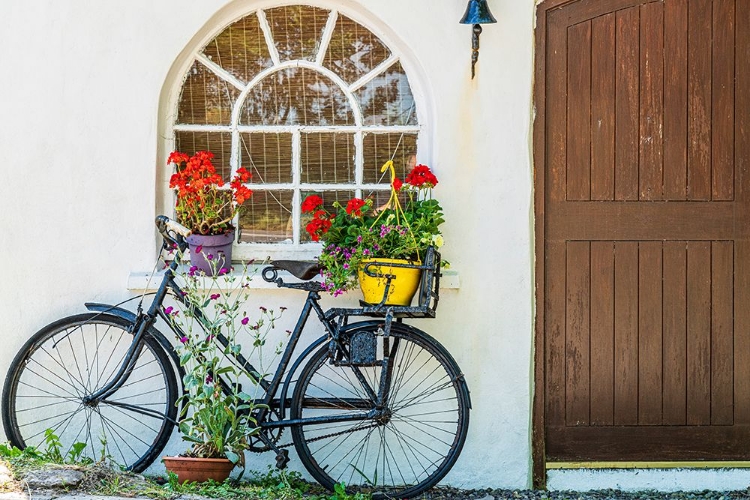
pixel 64 366
pixel 408 443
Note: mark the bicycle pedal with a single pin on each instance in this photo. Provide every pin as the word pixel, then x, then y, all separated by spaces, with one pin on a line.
pixel 282 459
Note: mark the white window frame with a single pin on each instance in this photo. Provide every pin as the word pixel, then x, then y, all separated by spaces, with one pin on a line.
pixel 297 249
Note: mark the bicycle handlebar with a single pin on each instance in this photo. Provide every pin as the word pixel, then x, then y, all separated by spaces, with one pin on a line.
pixel 172 231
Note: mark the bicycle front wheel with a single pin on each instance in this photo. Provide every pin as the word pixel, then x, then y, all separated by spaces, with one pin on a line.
pixel 45 401
pixel 410 443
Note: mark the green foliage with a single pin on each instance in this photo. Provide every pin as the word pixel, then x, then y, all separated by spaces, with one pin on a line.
pixel 403 228
pixel 52 453
pixel 271 485
pixel 217 423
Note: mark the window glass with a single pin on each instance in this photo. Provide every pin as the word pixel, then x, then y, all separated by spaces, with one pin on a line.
pixel 240 49
pixel 379 148
pixel 296 96
pixel 267 156
pixel 309 101
pixel 219 143
pixel 327 158
pixel 297 31
pixel 354 50
pixel 387 99
pixel 206 99
pixel 267 217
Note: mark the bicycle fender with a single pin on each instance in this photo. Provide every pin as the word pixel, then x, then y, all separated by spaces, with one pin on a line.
pixel 152 331
pixel 285 388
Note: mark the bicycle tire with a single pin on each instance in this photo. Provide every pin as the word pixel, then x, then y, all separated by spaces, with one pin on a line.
pixel 420 440
pixel 71 358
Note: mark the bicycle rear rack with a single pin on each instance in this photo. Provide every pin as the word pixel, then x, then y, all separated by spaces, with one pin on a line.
pixel 427 298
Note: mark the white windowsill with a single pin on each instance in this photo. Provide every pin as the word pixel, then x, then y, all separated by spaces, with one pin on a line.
pixel 143 281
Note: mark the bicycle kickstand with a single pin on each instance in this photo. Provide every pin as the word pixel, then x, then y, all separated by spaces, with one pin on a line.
pixel 282 456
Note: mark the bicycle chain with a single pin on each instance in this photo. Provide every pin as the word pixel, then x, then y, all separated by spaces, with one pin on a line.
pixel 326 436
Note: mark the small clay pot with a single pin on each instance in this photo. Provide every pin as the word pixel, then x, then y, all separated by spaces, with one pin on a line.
pixel 199 469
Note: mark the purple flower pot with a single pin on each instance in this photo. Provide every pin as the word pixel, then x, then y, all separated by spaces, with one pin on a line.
pixel 211 253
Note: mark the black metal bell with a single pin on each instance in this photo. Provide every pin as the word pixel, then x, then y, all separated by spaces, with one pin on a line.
pixel 478 12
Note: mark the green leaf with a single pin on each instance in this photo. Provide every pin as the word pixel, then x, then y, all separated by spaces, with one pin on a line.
pixel 232 456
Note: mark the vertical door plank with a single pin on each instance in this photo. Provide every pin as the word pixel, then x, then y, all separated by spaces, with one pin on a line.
pixel 699 333
pixel 742 194
pixel 742 331
pixel 722 307
pixel 675 340
pixel 699 99
pixel 602 332
pixel 577 339
pixel 579 112
pixel 722 123
pixel 650 333
pixel 556 108
pixel 603 107
pixel 675 99
pixel 626 333
pixel 554 296
pixel 651 101
pixel 626 108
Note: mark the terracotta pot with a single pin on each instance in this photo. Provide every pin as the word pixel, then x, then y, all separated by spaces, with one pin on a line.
pixel 199 469
pixel 216 247
pixel 402 287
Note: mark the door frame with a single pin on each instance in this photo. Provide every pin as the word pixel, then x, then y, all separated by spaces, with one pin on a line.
pixel 539 462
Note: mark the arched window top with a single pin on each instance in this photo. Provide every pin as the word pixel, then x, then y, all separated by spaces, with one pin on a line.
pixel 296 96
pixel 310 101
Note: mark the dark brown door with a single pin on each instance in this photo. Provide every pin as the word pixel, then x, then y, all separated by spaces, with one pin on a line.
pixel 643 213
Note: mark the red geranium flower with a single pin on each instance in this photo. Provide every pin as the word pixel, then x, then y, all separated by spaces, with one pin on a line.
pixel 397 184
pixel 421 176
pixel 354 207
pixel 311 203
pixel 317 228
pixel 201 203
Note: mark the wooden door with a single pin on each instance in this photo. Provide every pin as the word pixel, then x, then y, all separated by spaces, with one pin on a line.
pixel 642 151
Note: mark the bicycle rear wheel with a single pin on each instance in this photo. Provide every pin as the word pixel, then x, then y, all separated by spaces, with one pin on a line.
pixel 72 358
pixel 413 441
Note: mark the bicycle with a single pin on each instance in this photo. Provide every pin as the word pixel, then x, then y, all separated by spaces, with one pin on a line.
pixel 375 404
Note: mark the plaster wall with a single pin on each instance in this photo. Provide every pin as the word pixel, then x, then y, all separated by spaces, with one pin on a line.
pixel 82 96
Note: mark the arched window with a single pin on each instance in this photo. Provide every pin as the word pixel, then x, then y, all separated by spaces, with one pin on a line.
pixel 306 99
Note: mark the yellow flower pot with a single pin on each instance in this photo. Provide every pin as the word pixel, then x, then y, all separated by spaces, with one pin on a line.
pixel 403 286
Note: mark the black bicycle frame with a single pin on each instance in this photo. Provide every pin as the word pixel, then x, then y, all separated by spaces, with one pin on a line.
pixel 145 320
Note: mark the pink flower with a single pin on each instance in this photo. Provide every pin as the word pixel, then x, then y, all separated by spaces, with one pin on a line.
pixel 184 340
pixel 245 320
pixel 168 310
pixel 199 249
pixel 215 296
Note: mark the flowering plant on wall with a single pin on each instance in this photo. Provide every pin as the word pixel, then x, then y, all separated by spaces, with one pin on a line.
pixel 203 205
pixel 403 228
pixel 218 423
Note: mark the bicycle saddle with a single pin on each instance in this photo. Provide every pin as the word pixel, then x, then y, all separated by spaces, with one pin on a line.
pixel 302 269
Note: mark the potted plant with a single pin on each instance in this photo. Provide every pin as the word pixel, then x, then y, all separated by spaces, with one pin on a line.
pixel 206 207
pixel 216 422
pixel 358 233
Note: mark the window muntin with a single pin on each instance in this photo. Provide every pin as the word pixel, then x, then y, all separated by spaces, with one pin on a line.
pixel 309 101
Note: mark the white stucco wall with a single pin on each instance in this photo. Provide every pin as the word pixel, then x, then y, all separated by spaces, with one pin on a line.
pixel 82 88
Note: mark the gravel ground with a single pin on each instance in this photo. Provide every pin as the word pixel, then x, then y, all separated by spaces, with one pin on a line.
pixel 37 480
pixel 447 493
